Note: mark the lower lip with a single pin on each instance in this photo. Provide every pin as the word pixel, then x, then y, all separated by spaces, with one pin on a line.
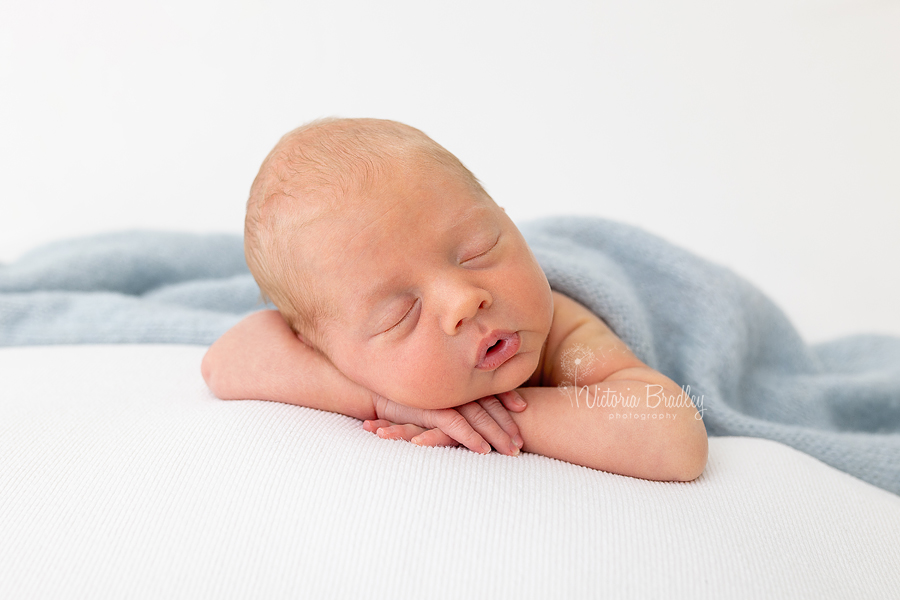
pixel 505 349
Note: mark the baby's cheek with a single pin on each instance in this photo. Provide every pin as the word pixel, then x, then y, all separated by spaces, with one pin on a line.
pixel 433 392
pixel 420 375
pixel 425 372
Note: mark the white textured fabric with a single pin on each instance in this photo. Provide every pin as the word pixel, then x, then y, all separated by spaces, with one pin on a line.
pixel 122 476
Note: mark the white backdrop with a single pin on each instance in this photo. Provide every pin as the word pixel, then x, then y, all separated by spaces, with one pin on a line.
pixel 764 135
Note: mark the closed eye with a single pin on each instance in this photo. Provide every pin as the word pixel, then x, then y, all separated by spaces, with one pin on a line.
pixel 403 318
pixel 494 245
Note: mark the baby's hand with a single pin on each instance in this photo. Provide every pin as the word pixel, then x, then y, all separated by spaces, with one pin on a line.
pixel 477 425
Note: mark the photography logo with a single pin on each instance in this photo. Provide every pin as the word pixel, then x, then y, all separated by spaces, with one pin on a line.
pixel 577 362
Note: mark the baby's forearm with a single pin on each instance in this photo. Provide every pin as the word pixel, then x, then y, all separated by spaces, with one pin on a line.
pixel 260 358
pixel 625 427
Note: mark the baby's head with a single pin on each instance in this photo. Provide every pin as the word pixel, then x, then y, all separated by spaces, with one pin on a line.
pixel 383 252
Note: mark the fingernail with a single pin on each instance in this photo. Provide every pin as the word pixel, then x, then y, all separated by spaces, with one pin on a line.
pixel 486 447
pixel 518 441
pixel 513 449
pixel 520 401
pixel 416 441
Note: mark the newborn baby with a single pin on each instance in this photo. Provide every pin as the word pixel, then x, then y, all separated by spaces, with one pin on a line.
pixel 407 298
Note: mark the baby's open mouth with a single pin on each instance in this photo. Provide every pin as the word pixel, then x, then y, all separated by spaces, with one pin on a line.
pixel 496 349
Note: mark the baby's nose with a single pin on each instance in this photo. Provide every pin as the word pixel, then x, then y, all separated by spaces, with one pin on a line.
pixel 465 306
pixel 483 304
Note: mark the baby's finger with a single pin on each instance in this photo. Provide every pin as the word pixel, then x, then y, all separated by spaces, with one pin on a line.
pixel 434 437
pixel 486 425
pixel 372 425
pixel 512 400
pixel 497 411
pixel 399 432
pixel 455 425
pixel 397 413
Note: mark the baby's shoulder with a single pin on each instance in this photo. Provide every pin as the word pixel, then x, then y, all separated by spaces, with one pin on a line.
pixel 571 319
pixel 576 333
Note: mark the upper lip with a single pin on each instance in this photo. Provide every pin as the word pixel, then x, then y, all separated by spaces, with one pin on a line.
pixel 492 338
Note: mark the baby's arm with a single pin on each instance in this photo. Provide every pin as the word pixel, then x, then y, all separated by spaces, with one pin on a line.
pixel 585 421
pixel 261 358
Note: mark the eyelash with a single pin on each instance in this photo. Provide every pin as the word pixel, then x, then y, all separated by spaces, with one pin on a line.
pixel 403 318
pixel 494 245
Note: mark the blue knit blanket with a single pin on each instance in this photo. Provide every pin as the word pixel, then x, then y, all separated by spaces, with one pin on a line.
pixel 734 352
